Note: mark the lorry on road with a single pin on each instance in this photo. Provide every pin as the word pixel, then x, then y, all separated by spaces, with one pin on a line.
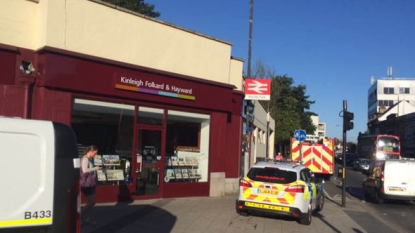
pixel 318 157
pixel 39 177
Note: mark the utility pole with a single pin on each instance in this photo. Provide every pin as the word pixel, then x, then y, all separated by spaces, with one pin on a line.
pixel 251 19
pixel 248 134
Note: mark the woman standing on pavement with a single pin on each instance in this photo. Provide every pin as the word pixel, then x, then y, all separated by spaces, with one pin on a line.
pixel 88 180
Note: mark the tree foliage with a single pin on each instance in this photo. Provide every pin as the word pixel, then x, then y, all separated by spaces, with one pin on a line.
pixel 288 105
pixel 138 6
pixel 289 109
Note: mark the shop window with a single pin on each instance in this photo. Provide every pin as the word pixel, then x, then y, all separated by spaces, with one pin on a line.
pixel 187 137
pixel 150 116
pixel 109 126
pixel 187 147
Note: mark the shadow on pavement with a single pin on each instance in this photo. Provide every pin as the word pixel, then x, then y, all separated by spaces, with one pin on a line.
pixel 273 216
pixel 321 217
pixel 335 202
pixel 138 218
pixel 356 192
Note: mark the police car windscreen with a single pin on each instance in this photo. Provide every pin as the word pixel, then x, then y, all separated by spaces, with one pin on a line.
pixel 272 175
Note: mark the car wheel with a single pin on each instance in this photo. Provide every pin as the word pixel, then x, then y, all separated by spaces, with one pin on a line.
pixel 320 205
pixel 307 219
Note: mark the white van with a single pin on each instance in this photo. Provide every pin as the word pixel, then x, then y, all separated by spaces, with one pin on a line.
pixel 39 180
pixel 392 179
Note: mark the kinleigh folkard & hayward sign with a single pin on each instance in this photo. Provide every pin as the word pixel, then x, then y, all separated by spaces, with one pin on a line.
pixel 154 88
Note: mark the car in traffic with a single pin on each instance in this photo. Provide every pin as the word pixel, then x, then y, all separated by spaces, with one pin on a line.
pixel 361 164
pixel 278 188
pixel 350 158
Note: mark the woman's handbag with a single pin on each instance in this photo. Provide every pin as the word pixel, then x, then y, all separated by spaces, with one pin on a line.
pixel 88 179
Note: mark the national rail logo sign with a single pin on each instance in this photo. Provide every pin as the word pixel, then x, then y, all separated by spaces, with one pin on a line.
pixel 257 89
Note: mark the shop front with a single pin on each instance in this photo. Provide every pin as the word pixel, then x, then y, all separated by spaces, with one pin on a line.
pixel 145 151
pixel 159 134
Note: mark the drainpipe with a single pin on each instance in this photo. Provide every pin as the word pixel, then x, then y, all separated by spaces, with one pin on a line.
pixel 27 78
pixel 28 82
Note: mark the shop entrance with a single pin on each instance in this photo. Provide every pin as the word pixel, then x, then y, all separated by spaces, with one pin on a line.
pixel 149 157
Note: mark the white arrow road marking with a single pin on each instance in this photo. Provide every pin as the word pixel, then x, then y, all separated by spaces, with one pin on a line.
pixel 258 87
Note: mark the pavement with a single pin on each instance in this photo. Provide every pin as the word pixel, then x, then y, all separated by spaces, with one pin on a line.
pixel 218 215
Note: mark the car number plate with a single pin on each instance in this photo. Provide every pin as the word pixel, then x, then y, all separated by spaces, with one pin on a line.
pixel 268 191
pixel 265 206
pixel 396 189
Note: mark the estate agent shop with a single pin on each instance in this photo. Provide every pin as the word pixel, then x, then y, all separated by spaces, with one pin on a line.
pixel 158 134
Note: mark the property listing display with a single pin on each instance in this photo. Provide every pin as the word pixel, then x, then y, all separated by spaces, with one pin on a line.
pixel 111 165
pixel 182 169
pixel 113 169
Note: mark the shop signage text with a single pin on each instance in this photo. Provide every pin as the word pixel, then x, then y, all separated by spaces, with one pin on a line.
pixel 155 88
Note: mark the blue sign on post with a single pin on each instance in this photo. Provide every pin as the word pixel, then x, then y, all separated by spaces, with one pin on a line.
pixel 300 135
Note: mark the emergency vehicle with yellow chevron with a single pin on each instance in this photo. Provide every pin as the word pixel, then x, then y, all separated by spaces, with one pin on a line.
pixel 280 188
pixel 319 157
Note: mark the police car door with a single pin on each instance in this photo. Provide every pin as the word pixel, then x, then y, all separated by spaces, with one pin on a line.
pixel 311 183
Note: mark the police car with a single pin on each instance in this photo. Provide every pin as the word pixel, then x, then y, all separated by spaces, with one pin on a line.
pixel 288 189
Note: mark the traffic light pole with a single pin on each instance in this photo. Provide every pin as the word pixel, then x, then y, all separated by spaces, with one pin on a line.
pixel 347 125
pixel 344 155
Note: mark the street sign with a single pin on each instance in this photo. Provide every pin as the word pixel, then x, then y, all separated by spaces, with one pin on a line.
pixel 300 135
pixel 257 89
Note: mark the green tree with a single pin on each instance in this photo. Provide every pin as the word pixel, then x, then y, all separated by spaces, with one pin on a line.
pixel 138 6
pixel 303 106
pixel 290 105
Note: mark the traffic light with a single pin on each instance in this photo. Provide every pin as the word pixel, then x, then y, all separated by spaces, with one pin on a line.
pixel 347 120
pixel 250 111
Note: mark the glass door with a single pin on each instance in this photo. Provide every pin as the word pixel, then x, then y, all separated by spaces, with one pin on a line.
pixel 149 157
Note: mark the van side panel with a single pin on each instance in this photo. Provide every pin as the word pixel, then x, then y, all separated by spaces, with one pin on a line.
pixel 66 180
pixel 399 178
pixel 27 166
pixel 41 183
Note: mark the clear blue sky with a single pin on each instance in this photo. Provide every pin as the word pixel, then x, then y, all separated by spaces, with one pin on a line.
pixel 331 46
